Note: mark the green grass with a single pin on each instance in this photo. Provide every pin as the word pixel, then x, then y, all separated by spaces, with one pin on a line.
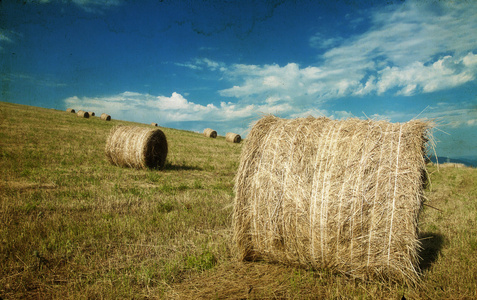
pixel 72 226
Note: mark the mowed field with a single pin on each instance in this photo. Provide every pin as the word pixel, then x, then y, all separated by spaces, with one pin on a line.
pixel 73 226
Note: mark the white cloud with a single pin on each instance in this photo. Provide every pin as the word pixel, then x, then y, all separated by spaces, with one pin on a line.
pixel 452 115
pixel 201 63
pixel 145 106
pixel 408 49
pixel 91 6
pixel 176 108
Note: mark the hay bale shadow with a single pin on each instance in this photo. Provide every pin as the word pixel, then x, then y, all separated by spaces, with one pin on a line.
pixel 431 247
pixel 169 166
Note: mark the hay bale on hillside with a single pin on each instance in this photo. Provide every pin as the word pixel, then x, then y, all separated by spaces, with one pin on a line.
pixel 233 137
pixel 91 113
pixel 154 124
pixel 83 114
pixel 210 133
pixel 70 110
pixel 136 147
pixel 342 195
pixel 105 117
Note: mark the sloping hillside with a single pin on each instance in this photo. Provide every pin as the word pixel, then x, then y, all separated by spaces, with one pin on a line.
pixel 74 226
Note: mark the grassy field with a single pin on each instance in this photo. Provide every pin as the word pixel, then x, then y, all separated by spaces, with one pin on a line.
pixel 72 226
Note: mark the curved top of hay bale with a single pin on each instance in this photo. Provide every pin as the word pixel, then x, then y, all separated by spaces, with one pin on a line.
pixel 210 133
pixel 106 117
pixel 233 137
pixel 83 114
pixel 71 110
pixel 342 195
pixel 136 147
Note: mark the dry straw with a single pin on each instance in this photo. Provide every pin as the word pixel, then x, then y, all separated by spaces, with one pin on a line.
pixel 342 195
pixel 70 110
pixel 233 137
pixel 210 133
pixel 105 117
pixel 91 113
pixel 83 114
pixel 136 147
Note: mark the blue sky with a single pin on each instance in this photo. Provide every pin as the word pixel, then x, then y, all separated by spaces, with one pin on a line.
pixel 223 64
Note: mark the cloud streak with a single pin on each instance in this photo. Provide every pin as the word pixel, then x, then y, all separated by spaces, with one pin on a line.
pixel 90 6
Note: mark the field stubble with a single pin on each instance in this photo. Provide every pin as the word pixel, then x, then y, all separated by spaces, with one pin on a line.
pixel 74 226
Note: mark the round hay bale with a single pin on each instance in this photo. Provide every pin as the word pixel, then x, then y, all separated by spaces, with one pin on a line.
pixel 105 117
pixel 210 133
pixel 154 124
pixel 91 113
pixel 341 195
pixel 70 110
pixel 136 147
pixel 233 137
pixel 83 114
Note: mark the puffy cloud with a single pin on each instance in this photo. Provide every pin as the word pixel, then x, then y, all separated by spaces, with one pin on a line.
pixel 408 49
pixel 445 73
pixel 145 106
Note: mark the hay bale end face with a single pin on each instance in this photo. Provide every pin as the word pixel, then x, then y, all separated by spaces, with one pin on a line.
pixel 70 110
pixel 154 124
pixel 105 117
pixel 83 114
pixel 210 133
pixel 91 113
pixel 233 137
pixel 136 147
pixel 341 195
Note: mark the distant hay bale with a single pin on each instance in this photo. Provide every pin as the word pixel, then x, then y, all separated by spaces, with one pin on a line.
pixel 91 113
pixel 154 124
pixel 70 110
pixel 105 117
pixel 83 114
pixel 210 133
pixel 233 137
pixel 341 195
pixel 136 147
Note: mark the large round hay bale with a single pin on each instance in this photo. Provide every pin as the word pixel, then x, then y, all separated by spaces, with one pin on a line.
pixel 154 124
pixel 70 110
pixel 83 114
pixel 91 113
pixel 210 133
pixel 342 195
pixel 233 137
pixel 136 147
pixel 105 117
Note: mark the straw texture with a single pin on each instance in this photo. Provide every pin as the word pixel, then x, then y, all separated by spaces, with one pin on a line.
pixel 342 195
pixel 210 133
pixel 105 117
pixel 233 137
pixel 136 147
